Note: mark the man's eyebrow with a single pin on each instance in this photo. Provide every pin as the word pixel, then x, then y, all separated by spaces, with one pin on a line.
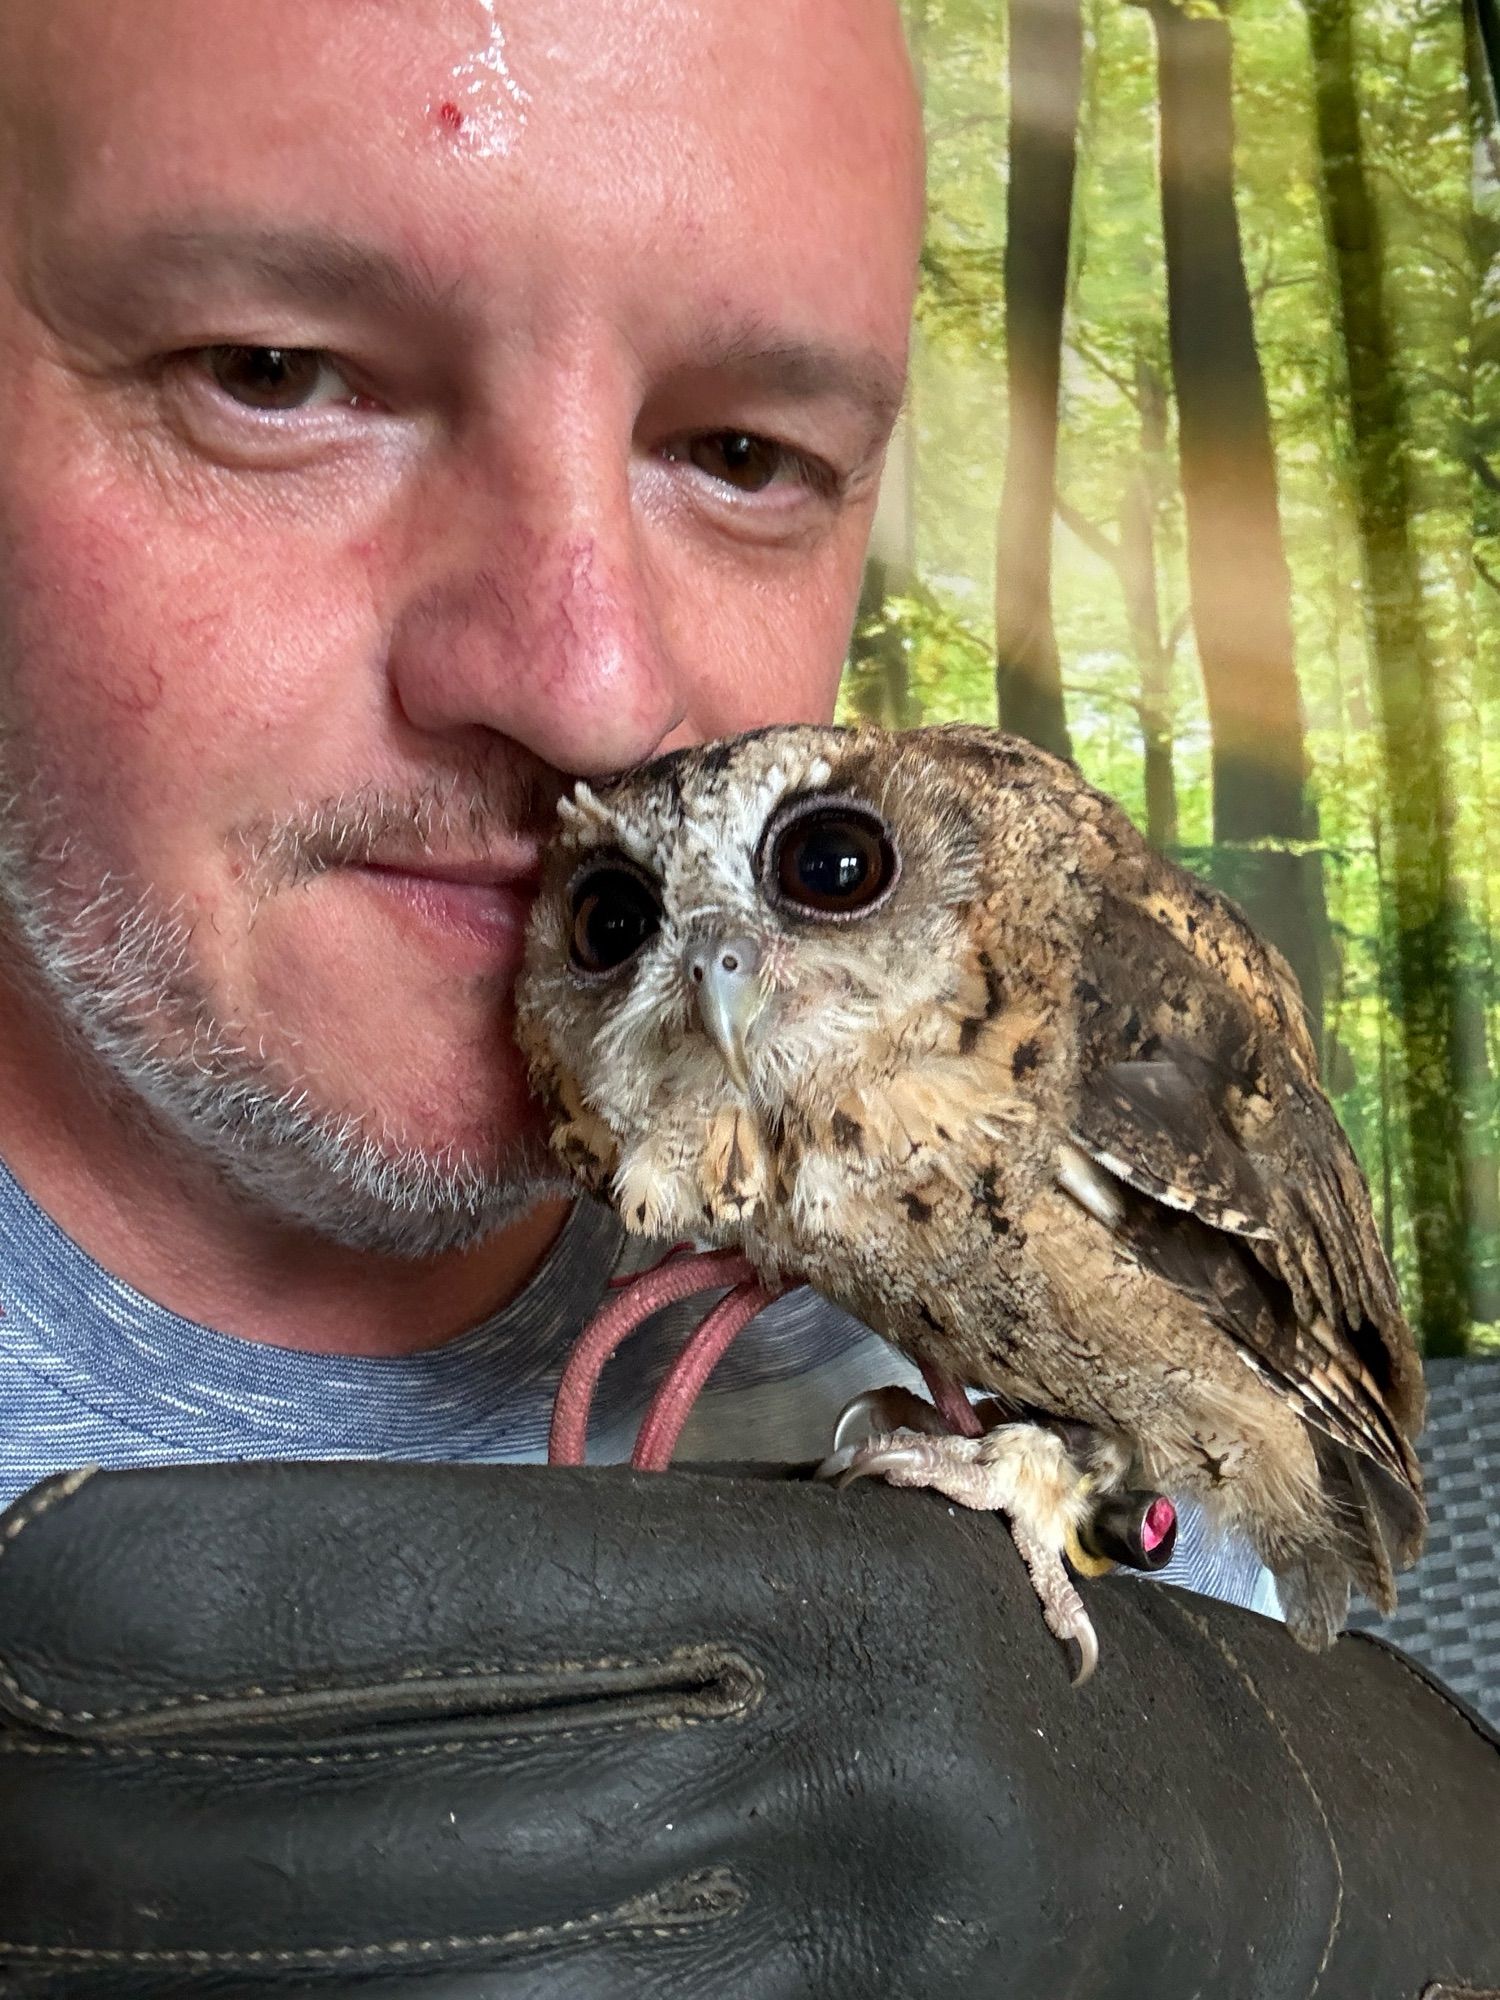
pixel 310 267
pixel 807 369
pixel 318 267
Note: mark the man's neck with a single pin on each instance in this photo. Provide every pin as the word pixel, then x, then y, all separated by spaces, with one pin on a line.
pixel 166 1225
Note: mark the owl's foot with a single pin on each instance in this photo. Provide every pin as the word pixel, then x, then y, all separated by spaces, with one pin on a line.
pixel 1132 1526
pixel 875 1413
pixel 1019 1470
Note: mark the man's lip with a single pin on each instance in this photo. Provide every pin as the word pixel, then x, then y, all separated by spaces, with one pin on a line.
pixel 477 909
pixel 522 875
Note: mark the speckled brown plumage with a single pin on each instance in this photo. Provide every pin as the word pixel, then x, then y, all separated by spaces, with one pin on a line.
pixel 1046 1116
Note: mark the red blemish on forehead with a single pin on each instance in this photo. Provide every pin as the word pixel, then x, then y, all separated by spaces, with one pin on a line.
pixel 449 116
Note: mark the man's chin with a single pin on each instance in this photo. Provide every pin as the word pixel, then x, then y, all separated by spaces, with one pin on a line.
pixel 411 1203
pixel 289 1113
pixel 387 1179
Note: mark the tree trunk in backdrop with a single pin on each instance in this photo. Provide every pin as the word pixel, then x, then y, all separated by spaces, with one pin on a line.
pixel 1478 990
pixel 876 679
pixel 1138 517
pixel 1046 69
pixel 1403 671
pixel 878 676
pixel 1239 583
pixel 1132 557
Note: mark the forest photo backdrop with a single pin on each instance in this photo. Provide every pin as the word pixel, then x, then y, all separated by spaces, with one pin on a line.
pixel 1206 400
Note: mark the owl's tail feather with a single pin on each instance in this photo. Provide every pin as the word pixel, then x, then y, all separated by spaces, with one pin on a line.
pixel 1314 1592
pixel 1376 1523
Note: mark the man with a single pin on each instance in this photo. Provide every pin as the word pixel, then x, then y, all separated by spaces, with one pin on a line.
pixel 404 411
pixel 407 406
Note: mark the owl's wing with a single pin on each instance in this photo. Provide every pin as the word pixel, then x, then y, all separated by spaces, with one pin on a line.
pixel 1233 1177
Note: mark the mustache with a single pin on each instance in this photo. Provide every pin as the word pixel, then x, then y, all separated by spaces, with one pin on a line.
pixel 462 813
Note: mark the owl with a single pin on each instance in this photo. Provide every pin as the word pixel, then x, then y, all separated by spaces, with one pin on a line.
pixel 919 1019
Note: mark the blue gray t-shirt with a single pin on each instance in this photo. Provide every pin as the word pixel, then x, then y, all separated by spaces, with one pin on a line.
pixel 93 1373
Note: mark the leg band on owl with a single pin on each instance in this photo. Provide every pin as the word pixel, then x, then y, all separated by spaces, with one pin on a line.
pixel 614 1323
pixel 1137 1528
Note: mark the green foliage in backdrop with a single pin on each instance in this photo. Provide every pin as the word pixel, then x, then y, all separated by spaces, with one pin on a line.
pixel 1366 192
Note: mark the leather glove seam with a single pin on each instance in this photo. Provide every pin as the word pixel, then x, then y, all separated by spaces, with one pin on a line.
pixel 1476 1724
pixel 410 1679
pixel 472 1745
pixel 52 1493
pixel 1206 1631
pixel 706 1897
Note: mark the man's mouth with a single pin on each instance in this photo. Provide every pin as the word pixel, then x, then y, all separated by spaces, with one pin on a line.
pixel 483 902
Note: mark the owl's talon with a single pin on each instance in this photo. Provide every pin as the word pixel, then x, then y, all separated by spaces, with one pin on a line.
pixel 1022 1471
pixel 1086 1640
pixel 876 1413
pixel 904 1457
pixel 1081 1643
pixel 1062 1607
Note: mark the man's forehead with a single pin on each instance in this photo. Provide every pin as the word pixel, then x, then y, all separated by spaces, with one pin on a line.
pixel 432 128
pixel 185 67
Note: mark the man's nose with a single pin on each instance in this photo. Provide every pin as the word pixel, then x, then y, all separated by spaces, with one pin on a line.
pixel 531 608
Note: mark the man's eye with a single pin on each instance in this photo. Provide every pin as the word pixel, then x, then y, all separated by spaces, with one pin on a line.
pixel 751 464
pixel 275 378
pixel 740 459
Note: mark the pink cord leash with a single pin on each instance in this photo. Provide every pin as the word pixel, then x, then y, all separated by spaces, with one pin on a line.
pixel 677 1277
pixel 673 1401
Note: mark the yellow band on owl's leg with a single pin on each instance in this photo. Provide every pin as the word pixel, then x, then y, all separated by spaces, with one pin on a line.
pixel 1080 1559
pixel 1077 1554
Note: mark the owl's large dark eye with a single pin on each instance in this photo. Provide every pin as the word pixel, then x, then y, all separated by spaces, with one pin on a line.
pixel 614 913
pixel 833 860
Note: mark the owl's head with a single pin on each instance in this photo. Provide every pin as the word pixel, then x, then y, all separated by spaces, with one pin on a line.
pixel 741 925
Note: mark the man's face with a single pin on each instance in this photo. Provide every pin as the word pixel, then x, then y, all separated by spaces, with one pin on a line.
pixel 405 406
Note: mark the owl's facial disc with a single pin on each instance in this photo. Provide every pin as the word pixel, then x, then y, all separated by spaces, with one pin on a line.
pixel 726 931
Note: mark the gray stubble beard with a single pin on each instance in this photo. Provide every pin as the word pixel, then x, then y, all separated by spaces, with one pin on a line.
pixel 119 969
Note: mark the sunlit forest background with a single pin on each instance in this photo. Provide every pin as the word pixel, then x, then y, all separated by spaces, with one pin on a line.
pixel 1199 482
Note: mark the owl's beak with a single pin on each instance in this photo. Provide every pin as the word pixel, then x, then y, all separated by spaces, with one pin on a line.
pixel 724 974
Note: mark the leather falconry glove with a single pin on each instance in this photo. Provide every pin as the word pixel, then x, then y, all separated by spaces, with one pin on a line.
pixel 496 1732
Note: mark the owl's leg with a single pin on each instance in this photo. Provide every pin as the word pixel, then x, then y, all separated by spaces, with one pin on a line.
pixel 1020 1470
pixel 1133 1526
